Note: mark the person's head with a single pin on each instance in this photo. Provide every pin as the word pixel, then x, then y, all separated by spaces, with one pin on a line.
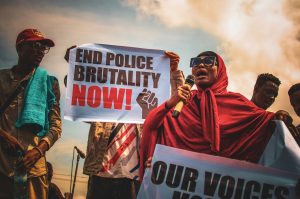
pixel 31 47
pixel 294 93
pixel 205 68
pixel 265 90
pixel 50 171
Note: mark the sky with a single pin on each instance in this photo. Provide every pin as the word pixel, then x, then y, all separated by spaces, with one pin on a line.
pixel 252 36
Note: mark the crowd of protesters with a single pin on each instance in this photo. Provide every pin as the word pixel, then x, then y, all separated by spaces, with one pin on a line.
pixel 213 121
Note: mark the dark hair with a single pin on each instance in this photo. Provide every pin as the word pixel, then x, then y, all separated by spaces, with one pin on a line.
pixel 264 77
pixel 209 53
pixel 294 88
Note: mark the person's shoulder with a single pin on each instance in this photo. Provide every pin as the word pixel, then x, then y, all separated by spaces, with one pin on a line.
pixel 55 191
pixel 52 186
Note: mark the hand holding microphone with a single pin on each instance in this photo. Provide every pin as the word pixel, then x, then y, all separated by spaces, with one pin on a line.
pixel 183 93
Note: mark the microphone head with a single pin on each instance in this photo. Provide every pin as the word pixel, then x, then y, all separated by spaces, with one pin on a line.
pixel 81 154
pixel 190 79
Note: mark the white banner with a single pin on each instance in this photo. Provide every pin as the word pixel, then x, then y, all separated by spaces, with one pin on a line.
pixel 282 151
pixel 181 174
pixel 115 83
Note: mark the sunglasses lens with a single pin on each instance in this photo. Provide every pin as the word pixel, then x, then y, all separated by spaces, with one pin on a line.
pixel 208 61
pixel 194 62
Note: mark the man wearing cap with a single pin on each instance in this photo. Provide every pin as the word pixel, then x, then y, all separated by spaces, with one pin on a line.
pixel 29 116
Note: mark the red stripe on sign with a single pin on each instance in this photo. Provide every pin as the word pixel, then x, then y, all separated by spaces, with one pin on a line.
pixel 119 152
pixel 128 128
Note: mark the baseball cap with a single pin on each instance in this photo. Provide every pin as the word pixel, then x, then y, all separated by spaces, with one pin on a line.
pixel 31 34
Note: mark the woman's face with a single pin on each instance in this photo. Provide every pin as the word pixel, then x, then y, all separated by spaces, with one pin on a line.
pixel 205 69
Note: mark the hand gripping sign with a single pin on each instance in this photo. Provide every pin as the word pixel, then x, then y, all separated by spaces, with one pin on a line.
pixel 115 83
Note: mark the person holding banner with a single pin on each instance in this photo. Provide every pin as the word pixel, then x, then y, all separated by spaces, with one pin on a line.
pixel 115 176
pixel 213 121
pixel 30 119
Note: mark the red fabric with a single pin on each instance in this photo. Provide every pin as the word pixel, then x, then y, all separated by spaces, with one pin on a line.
pixel 209 115
pixel 214 121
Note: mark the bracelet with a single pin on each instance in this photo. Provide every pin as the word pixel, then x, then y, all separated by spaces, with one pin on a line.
pixel 39 150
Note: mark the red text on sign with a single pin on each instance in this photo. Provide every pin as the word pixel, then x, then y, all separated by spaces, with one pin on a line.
pixel 94 96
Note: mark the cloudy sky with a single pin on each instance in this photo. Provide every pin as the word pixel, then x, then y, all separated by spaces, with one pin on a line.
pixel 252 36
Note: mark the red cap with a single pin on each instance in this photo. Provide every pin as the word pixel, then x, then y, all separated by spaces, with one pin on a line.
pixel 33 35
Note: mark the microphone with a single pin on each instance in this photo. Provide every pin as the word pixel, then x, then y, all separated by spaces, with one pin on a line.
pixel 81 154
pixel 189 81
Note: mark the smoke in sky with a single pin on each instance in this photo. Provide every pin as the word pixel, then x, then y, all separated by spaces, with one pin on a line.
pixel 254 36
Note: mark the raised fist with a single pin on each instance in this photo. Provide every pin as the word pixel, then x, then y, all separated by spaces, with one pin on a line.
pixel 174 60
pixel 147 102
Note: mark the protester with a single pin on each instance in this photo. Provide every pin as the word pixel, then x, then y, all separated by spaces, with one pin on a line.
pixel 119 184
pixel 294 94
pixel 264 94
pixel 265 90
pixel 213 120
pixel 54 192
pixel 31 116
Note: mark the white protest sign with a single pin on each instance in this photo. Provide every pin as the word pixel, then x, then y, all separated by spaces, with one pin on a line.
pixel 181 174
pixel 115 83
pixel 282 151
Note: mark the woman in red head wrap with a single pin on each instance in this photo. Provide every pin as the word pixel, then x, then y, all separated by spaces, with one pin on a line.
pixel 213 120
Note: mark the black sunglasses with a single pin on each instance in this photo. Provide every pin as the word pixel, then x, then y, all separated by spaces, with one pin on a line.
pixel 208 61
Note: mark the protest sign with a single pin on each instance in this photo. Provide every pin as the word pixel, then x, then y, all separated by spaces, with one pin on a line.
pixel 282 151
pixel 181 174
pixel 115 83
